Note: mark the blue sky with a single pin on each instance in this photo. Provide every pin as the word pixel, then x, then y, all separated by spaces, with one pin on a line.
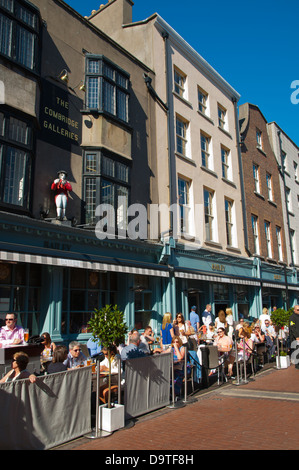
pixel 252 44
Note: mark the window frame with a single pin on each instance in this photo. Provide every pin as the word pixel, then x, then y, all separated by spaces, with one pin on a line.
pixel 182 137
pixel 255 232
pixel 202 104
pixel 180 85
pixel 205 150
pixel 98 175
pixel 209 215
pixel 267 226
pixel 229 221
pixel 19 26
pixel 184 203
pixel 102 81
pixel 11 149
pixel 256 178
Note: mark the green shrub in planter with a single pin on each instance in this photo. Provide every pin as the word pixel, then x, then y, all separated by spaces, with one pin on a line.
pixel 108 327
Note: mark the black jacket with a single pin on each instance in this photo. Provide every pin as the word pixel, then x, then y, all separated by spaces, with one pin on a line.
pixel 294 326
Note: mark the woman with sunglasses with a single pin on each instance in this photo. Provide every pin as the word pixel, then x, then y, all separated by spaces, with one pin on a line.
pixel 47 352
pixel 181 329
pixel 178 358
pixel 19 368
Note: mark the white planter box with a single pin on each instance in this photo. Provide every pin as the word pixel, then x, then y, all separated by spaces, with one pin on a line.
pixel 284 362
pixel 111 419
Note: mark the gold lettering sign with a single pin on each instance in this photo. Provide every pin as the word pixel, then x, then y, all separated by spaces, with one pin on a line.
pixel 218 267
pixel 277 277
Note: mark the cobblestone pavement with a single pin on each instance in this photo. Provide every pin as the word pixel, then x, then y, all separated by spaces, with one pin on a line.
pixel 262 414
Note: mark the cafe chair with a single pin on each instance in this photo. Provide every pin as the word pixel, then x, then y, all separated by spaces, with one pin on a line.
pixel 216 361
pixel 249 361
pixel 114 394
pixel 261 352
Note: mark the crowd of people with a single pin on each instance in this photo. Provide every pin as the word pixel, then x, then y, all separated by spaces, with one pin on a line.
pixel 176 335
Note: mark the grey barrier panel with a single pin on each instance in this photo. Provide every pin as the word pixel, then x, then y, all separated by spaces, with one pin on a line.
pixel 147 384
pixel 39 416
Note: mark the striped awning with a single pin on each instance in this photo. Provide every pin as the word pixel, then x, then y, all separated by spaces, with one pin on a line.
pixel 222 279
pixel 15 257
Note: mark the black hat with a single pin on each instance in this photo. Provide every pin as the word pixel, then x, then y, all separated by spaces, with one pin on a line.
pixel 62 171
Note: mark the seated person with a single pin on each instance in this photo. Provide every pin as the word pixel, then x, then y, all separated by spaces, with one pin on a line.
pixel 224 344
pixel 19 368
pixel 11 333
pixel 257 335
pixel 104 367
pixel 270 336
pixel 57 364
pixel 245 334
pixel 211 333
pixel 93 347
pixel 75 357
pixel 132 350
pixel 178 358
pixel 146 340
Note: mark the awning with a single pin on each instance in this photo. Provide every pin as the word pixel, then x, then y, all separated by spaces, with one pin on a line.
pixel 280 286
pixel 223 279
pixel 16 257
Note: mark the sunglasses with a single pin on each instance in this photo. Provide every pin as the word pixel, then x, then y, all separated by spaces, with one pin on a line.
pixel 76 350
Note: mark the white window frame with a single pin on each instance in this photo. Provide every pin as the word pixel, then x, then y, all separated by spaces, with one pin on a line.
pixel 182 134
pixel 203 101
pixel 209 215
pixel 256 177
pixel 259 140
pixel 255 231
pixel 267 226
pixel 229 208
pixel 206 147
pixel 184 197
pixel 180 82
pixel 226 163
pixel 279 244
pixel 269 186
pixel 222 117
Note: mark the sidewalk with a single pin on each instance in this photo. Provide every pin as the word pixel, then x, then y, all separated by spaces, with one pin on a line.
pixel 262 414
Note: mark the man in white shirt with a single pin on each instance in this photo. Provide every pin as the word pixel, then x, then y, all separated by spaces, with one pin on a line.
pixel 263 317
pixel 146 339
pixel 206 316
pixel 270 336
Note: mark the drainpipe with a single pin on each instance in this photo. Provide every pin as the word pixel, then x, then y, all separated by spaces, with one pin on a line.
pixel 241 179
pixel 172 194
pixel 281 171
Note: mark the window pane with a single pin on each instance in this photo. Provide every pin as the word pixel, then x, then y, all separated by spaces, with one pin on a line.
pixel 25 47
pixel 108 97
pixel 27 16
pixel 107 167
pixel 5 35
pixel 90 199
pixel 122 172
pixel 16 163
pixel 107 193
pixel 7 4
pixel 93 92
pixel 18 131
pixel 93 66
pixel 90 163
pixel 122 100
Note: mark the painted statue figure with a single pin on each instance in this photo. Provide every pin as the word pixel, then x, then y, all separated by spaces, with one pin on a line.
pixel 62 188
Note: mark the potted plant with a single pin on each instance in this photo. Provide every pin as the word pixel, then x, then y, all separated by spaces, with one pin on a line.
pixel 108 327
pixel 284 359
pixel 280 319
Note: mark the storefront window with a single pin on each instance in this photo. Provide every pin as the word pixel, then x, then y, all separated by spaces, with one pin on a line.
pixel 83 292
pixel 20 287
